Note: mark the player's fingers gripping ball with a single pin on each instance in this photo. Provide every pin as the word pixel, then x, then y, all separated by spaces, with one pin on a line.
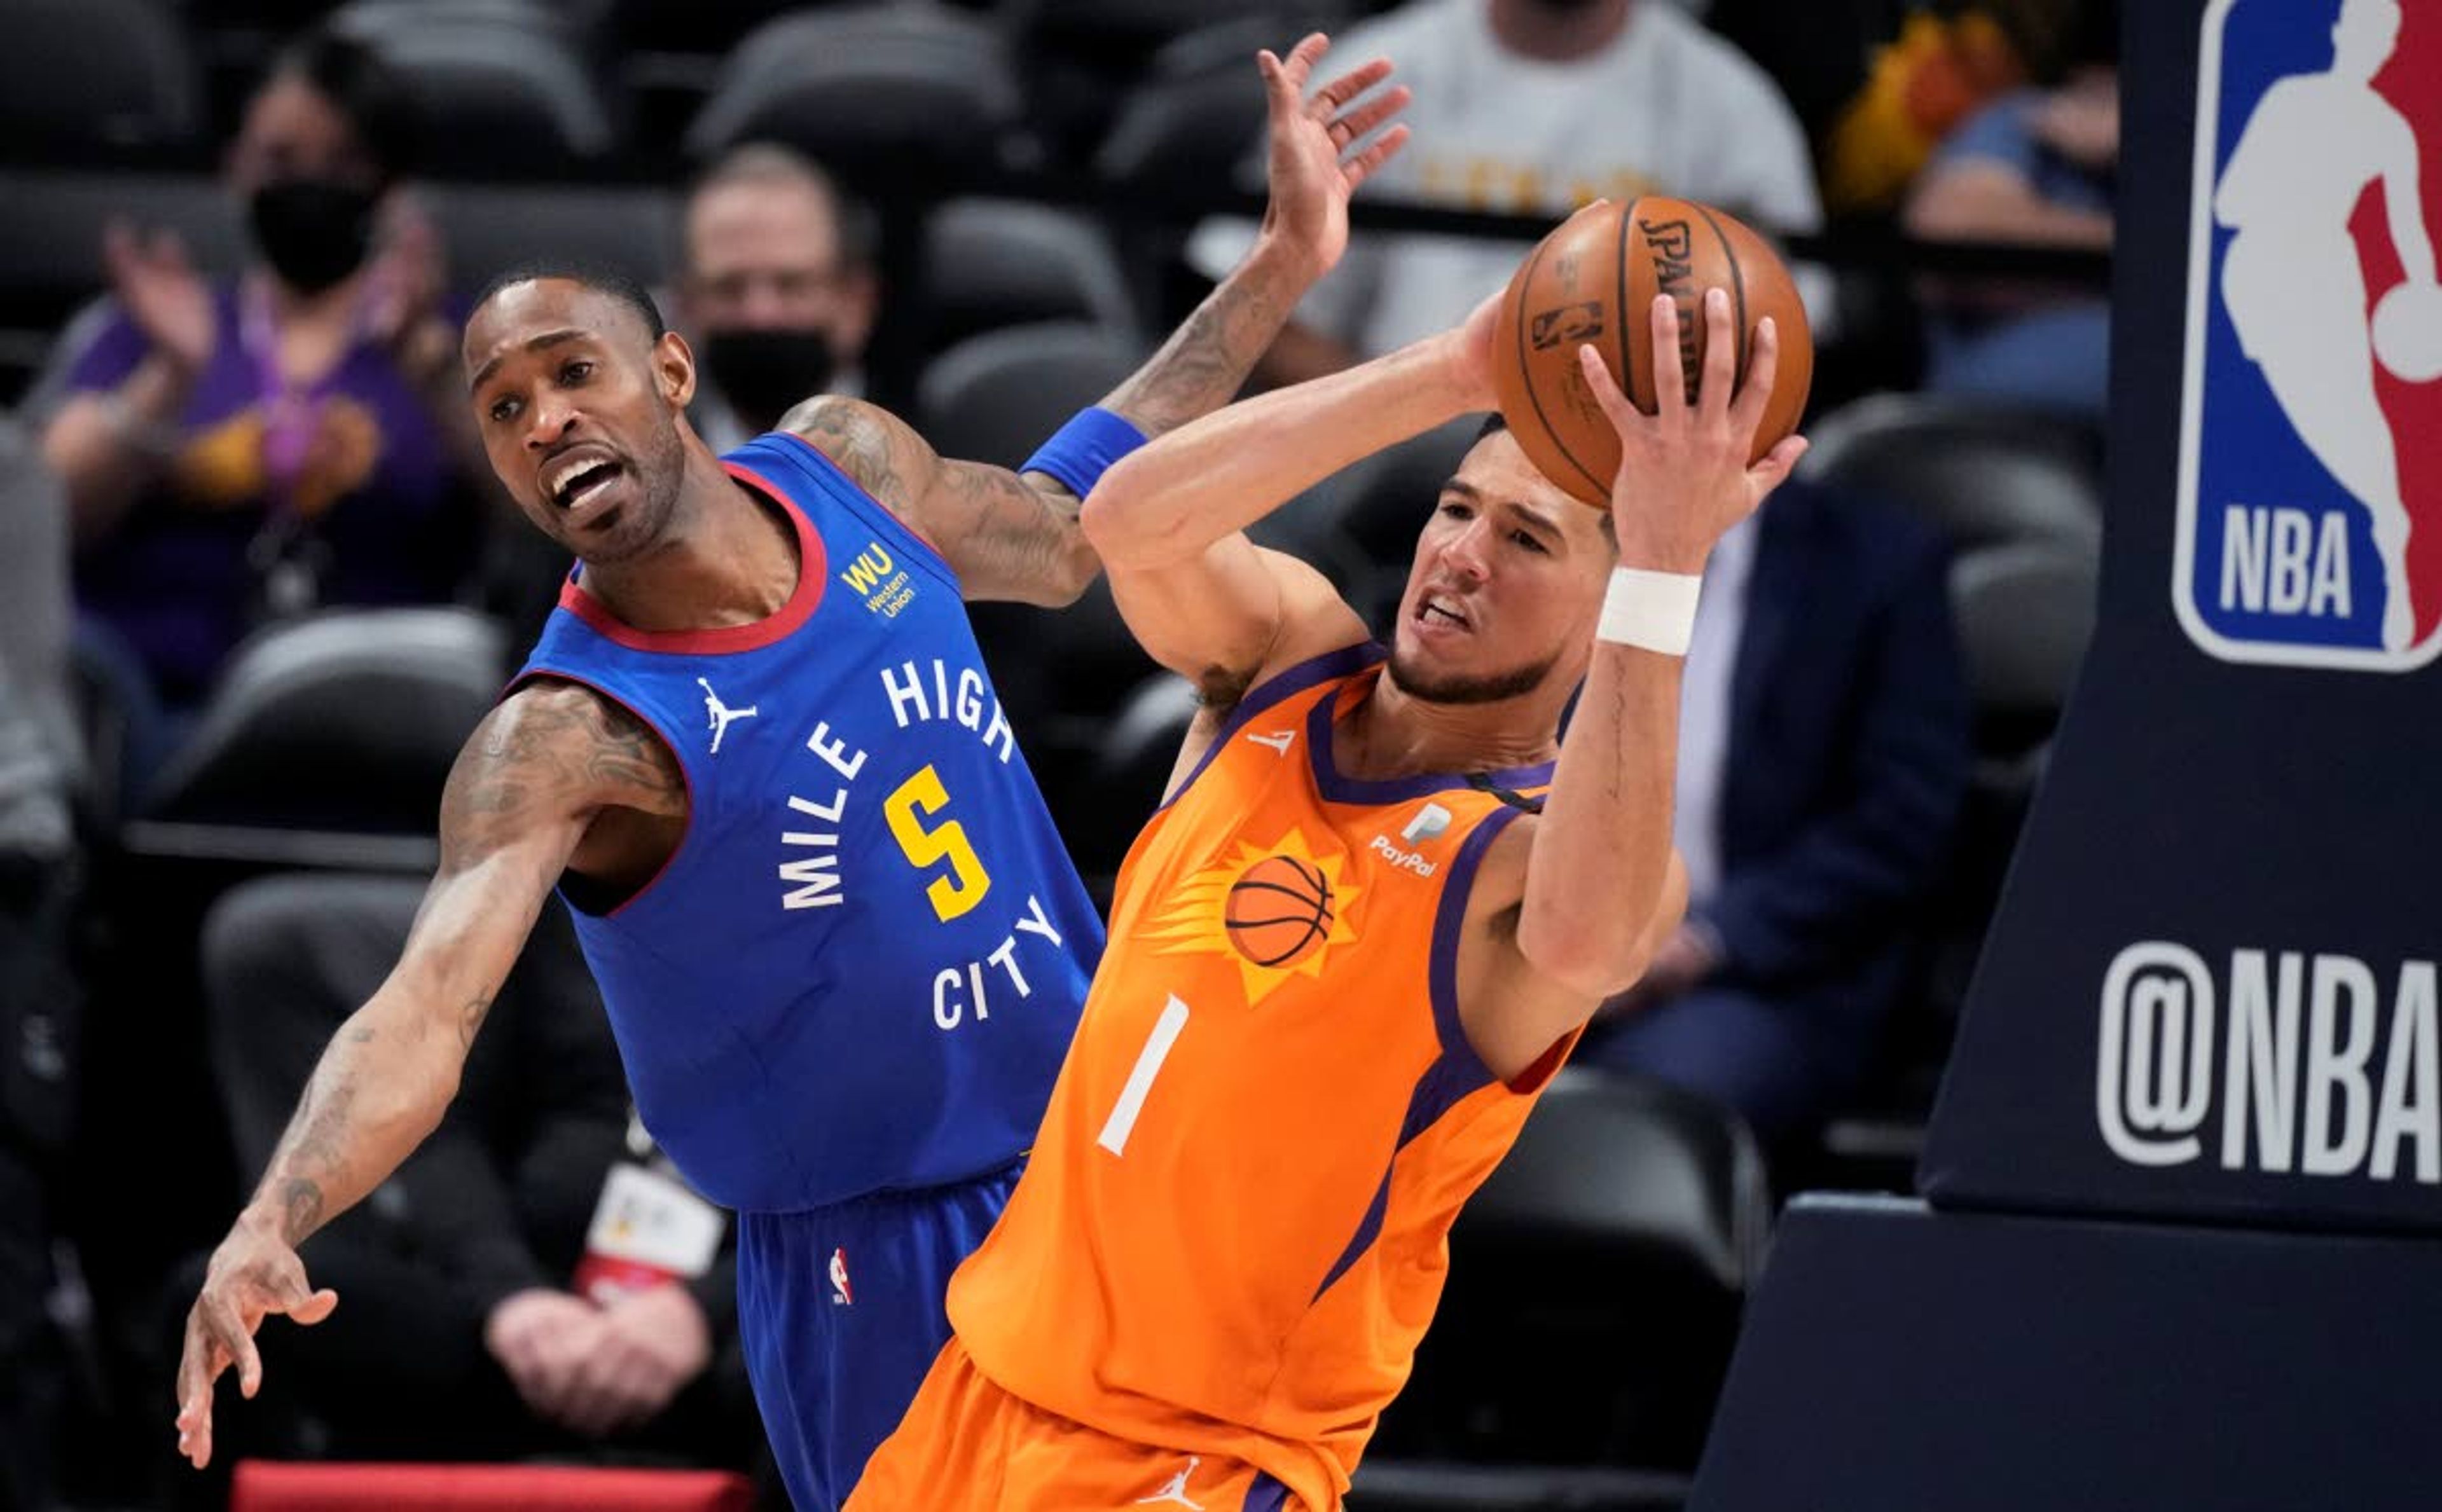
pixel 1590 281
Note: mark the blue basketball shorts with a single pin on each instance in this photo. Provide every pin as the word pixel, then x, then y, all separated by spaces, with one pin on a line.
pixel 840 1312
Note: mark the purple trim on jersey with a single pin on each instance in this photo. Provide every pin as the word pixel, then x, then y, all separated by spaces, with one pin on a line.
pixel 1458 1071
pixel 878 516
pixel 1450 919
pixel 1336 788
pixel 1273 691
pixel 687 835
pixel 1264 1494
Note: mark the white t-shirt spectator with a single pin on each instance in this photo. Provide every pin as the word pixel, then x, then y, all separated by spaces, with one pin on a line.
pixel 1667 107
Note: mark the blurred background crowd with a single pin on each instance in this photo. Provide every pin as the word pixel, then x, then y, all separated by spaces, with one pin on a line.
pixel 256 584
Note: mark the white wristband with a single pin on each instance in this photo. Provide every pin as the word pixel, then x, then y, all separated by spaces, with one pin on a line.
pixel 1652 611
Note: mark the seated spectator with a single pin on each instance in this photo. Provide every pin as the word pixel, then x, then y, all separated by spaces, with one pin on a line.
pixel 2035 167
pixel 39 990
pixel 777 290
pixel 1536 108
pixel 1823 758
pixel 296 437
pixel 486 1311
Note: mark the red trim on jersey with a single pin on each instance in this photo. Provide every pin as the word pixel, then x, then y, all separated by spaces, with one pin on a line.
pixel 904 523
pixel 812 565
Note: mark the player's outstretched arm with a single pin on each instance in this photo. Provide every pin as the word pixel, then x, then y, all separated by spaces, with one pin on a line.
pixel 1602 886
pixel 1014 534
pixel 519 803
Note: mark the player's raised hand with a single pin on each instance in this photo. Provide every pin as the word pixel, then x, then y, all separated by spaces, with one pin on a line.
pixel 1684 478
pixel 253 1274
pixel 1315 162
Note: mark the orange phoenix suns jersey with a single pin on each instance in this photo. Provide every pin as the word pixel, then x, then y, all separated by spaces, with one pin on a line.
pixel 1232 1232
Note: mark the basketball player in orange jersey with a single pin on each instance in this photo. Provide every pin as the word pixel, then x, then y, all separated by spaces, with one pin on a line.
pixel 1364 929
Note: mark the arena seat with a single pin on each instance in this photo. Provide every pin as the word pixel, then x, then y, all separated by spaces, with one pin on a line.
pixel 2019 493
pixel 1081 56
pixel 343 723
pixel 997 397
pixel 507 86
pixel 991 263
pixel 486 228
pixel 98 73
pixel 1982 472
pixel 1617 1243
pixel 50 260
pixel 1197 111
pixel 266 1485
pixel 873 92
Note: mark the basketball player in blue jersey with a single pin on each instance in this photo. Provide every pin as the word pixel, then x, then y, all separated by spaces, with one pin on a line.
pixel 757 752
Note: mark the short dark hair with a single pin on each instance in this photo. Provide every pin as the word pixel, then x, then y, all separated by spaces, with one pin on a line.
pixel 620 286
pixel 1493 425
pixel 374 96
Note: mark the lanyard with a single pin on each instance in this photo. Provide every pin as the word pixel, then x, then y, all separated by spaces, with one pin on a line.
pixel 284 559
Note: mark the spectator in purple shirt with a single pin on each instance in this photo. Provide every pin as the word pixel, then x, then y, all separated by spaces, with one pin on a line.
pixel 296 437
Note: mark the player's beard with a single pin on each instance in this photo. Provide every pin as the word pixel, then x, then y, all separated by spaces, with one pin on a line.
pixel 1493 688
pixel 661 474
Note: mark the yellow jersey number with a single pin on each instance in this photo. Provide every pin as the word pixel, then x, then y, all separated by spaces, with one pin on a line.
pixel 907 808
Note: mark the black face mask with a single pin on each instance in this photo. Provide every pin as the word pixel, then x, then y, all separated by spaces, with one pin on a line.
pixel 764 373
pixel 313 232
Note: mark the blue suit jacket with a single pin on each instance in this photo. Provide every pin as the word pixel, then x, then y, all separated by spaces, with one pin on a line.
pixel 1848 757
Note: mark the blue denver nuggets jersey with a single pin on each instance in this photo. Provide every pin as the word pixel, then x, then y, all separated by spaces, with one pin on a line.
pixel 862 966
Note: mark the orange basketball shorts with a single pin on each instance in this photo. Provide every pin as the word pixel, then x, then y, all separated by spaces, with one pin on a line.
pixel 967 1446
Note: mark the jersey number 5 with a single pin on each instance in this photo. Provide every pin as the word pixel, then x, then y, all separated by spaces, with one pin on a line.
pixel 914 801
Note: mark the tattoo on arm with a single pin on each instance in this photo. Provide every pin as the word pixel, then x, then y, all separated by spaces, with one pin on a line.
pixel 855 437
pixel 311 1150
pixel 1206 361
pixel 470 1020
pixel 552 747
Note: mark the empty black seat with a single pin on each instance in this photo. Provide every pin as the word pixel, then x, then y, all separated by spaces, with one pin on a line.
pixel 488 228
pixel 1623 1230
pixel 345 721
pixel 990 264
pixel 1982 472
pixel 505 86
pixel 873 92
pixel 997 397
pixel 96 73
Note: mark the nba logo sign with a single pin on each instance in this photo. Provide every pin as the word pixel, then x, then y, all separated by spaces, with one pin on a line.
pixel 2310 463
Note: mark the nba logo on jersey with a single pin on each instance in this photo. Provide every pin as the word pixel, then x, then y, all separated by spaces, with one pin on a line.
pixel 2310 463
pixel 840 1297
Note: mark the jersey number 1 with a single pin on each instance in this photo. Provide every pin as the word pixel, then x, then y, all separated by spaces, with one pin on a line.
pixel 1123 1120
pixel 909 805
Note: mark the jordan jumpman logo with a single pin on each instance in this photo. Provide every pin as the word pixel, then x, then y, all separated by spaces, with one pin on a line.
pixel 1174 1493
pixel 722 714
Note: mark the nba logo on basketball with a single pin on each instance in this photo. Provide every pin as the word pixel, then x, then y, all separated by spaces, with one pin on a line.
pixel 2310 463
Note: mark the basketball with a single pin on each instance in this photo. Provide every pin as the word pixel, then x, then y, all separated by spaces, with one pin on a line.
pixel 1278 910
pixel 2408 332
pixel 1593 279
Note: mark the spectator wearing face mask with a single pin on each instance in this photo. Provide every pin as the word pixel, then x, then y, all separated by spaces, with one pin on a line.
pixel 294 437
pixel 1535 107
pixel 776 287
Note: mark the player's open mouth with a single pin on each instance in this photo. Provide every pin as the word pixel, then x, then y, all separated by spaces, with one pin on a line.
pixel 573 481
pixel 1435 610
